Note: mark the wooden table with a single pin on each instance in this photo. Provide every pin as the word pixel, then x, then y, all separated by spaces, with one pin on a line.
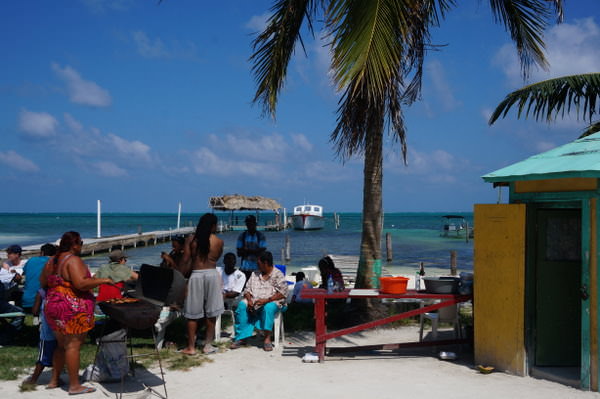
pixel 321 296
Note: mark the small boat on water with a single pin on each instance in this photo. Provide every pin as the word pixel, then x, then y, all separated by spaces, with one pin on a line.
pixel 308 217
pixel 456 226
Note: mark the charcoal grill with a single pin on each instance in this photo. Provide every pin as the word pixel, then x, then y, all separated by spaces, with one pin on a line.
pixel 155 287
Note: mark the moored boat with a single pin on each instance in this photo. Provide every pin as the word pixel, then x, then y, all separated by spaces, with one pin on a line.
pixel 308 217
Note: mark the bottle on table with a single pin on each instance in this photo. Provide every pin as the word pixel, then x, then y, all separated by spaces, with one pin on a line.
pixel 419 276
pixel 329 284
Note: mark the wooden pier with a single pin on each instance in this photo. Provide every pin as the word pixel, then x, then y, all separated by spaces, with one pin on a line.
pixel 92 246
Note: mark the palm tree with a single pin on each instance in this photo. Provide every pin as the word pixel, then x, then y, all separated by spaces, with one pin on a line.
pixel 550 98
pixel 377 50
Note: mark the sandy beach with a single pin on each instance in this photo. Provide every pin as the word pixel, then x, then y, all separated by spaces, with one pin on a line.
pixel 252 373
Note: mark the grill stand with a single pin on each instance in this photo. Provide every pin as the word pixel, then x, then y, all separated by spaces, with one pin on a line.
pixel 131 357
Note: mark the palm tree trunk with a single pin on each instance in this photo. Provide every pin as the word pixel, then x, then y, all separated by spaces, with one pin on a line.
pixel 369 266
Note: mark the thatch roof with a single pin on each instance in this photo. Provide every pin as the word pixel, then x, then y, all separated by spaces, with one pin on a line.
pixel 238 202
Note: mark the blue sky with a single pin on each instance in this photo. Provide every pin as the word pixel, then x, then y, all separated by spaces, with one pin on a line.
pixel 143 105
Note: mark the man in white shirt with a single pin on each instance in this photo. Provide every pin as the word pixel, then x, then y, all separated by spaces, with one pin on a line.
pixel 11 273
pixel 233 280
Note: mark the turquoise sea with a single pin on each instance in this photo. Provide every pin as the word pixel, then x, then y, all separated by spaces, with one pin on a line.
pixel 415 236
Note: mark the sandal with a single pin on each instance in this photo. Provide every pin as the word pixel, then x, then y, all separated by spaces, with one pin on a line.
pixel 84 390
pixel 237 344
pixel 268 347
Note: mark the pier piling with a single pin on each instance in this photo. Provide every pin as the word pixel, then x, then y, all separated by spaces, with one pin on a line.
pixel 388 247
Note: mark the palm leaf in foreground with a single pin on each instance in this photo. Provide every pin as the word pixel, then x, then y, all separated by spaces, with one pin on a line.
pixel 552 98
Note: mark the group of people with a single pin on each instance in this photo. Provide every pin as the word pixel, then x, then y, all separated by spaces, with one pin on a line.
pixel 59 288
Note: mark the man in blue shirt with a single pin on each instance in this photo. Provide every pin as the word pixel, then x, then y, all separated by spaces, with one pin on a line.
pixel 32 270
pixel 250 244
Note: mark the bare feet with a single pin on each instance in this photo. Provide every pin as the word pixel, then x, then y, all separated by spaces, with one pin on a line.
pixel 188 351
pixel 208 349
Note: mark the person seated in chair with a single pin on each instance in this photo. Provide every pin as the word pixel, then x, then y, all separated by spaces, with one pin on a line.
pixel 301 283
pixel 327 268
pixel 118 272
pixel 233 280
pixel 265 295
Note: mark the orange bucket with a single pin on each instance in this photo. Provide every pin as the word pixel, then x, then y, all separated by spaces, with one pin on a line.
pixel 393 285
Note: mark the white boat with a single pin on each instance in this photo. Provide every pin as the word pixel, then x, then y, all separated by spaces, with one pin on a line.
pixel 308 217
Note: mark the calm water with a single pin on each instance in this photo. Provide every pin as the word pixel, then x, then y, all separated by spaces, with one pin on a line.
pixel 415 237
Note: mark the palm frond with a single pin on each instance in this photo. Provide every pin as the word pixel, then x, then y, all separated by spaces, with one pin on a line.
pixel 526 21
pixel 554 97
pixel 274 47
pixel 377 45
pixel 591 129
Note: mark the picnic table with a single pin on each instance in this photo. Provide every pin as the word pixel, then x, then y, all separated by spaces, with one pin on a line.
pixel 429 302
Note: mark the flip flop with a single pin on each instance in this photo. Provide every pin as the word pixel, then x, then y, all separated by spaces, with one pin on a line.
pixel 210 350
pixel 84 390
pixel 268 347
pixel 237 344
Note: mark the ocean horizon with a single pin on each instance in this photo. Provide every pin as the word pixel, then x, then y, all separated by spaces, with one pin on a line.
pixel 415 236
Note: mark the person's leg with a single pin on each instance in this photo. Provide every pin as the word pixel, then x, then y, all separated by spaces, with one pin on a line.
pixel 73 344
pixel 210 334
pixel 243 324
pixel 192 328
pixel 267 319
pixel 58 360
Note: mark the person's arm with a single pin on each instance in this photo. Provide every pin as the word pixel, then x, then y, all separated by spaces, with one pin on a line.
pixel 134 275
pixel 240 246
pixel 77 274
pixel 185 265
pixel 35 310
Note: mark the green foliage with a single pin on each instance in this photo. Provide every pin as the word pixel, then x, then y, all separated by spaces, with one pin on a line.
pixel 554 98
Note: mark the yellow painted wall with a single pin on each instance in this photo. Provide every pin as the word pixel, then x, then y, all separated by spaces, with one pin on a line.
pixel 499 287
pixel 556 185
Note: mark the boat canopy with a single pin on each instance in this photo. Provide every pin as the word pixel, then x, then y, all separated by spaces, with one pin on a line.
pixel 237 202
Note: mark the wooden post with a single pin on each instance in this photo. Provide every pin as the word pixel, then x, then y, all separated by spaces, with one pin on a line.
pixel 453 263
pixel 388 246
pixel 288 246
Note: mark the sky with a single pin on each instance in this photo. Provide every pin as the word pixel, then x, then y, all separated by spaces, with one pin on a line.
pixel 144 105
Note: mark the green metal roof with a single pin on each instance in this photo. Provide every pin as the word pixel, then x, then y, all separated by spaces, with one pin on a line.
pixel 580 158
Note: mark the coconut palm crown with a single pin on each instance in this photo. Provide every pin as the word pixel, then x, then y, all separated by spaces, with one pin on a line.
pixel 377 51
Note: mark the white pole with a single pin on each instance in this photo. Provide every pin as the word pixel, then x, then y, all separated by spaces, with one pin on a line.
pixel 99 223
pixel 179 216
pixel 285 217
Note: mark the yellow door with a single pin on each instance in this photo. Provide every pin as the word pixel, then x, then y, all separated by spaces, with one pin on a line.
pixel 499 286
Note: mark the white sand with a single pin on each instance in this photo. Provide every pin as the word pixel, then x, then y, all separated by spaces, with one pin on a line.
pixel 252 373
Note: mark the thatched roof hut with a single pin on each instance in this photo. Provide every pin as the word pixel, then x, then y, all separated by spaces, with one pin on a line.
pixel 237 202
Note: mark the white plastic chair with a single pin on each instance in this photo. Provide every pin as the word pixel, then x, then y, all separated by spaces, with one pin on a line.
pixel 231 312
pixel 448 314
pixel 278 327
pixel 167 316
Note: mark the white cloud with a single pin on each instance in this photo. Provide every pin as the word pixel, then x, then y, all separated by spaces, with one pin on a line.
pixel 441 87
pixel 37 124
pixel 206 162
pixel 82 91
pixel 258 23
pixel 16 161
pixel 302 142
pixel 272 146
pixel 571 48
pixel 486 113
pixel 108 169
pixel 130 149
pixel 72 123
pixel 437 166
pixel 148 48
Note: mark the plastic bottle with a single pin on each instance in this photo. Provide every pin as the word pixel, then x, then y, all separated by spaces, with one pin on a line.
pixel 419 276
pixel 329 284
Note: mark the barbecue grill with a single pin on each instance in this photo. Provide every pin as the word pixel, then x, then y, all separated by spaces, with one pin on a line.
pixel 155 288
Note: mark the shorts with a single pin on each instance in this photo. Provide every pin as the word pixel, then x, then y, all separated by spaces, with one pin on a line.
pixel 204 296
pixel 45 353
